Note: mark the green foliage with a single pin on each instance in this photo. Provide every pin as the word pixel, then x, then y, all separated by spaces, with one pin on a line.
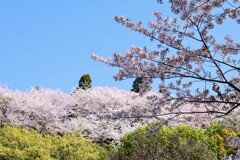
pixel 18 144
pixel 220 135
pixel 136 83
pixel 232 123
pixel 165 143
pixel 182 143
pixel 85 82
pixel 4 102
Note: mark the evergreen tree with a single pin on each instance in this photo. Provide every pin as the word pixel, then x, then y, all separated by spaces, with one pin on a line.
pixel 85 82
pixel 136 84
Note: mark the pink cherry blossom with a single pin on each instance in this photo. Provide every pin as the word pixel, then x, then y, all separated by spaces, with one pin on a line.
pixel 187 52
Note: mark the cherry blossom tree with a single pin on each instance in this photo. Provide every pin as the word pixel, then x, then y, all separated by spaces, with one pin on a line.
pixel 40 109
pixel 100 113
pixel 192 64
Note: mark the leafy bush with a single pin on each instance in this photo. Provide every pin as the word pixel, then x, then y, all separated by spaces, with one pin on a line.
pixel 182 143
pixel 232 122
pixel 17 143
pixel 220 135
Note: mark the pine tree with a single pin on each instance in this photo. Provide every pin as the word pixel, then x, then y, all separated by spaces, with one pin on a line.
pixel 85 82
pixel 136 84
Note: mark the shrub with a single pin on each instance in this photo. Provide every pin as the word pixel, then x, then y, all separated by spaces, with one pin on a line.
pixel 182 143
pixel 17 143
pixel 231 122
pixel 220 135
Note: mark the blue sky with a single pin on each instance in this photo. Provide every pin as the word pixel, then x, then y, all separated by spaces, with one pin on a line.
pixel 49 43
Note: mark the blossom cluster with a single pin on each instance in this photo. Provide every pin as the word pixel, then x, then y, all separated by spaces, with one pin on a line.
pixel 187 71
pixel 98 112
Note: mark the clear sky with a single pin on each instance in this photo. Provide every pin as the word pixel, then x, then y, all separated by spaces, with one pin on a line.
pixel 49 43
